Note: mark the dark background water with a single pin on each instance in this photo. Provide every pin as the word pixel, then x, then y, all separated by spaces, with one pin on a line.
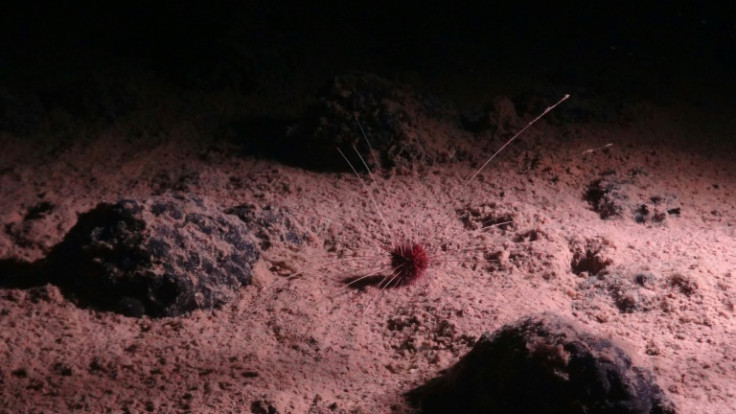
pixel 97 63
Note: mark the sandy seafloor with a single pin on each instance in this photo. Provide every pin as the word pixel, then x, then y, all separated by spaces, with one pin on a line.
pixel 309 344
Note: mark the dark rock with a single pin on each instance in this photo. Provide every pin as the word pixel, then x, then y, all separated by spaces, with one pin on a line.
pixel 644 280
pixel 20 373
pixel 387 112
pixel 612 197
pixel 605 197
pixel 542 364
pixel 674 211
pixel 163 256
pixel 391 114
pixel 684 284
pixel 589 257
pixel 262 407
pixel 589 261
pixel 628 294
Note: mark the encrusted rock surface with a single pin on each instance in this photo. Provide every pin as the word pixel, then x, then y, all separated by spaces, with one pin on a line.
pixel 611 197
pixel 162 256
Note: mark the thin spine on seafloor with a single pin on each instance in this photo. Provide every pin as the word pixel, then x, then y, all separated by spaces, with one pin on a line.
pixel 467 181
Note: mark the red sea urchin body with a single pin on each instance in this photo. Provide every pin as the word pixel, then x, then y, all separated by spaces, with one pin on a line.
pixel 408 262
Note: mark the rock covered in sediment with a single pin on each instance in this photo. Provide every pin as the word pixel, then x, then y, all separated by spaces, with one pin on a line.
pixel 612 197
pixel 162 256
pixel 543 364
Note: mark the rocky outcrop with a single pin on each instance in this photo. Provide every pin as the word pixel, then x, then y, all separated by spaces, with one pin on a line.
pixel 161 256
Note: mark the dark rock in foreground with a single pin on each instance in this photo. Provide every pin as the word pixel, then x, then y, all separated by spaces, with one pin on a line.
pixel 163 256
pixel 542 364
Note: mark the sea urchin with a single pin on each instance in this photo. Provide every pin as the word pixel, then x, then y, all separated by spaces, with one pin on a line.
pixel 408 263
pixel 409 260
